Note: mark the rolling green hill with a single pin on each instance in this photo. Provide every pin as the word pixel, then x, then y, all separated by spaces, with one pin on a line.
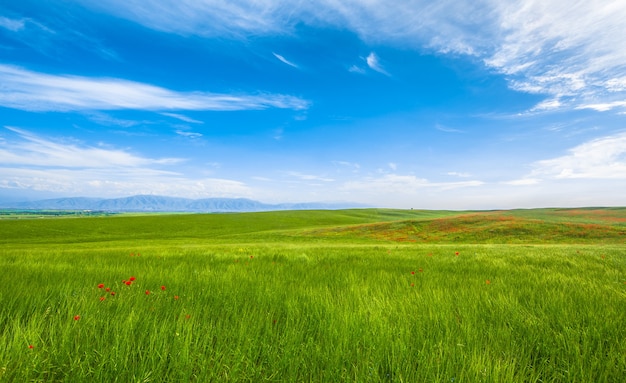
pixel 370 295
pixel 602 225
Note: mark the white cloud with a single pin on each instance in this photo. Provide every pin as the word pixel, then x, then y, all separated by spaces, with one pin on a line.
pixel 32 91
pixel 356 69
pixel 284 60
pixel 523 181
pixel 447 129
pixel 35 163
pixel 33 150
pixel 391 184
pixel 572 51
pixel 188 134
pixel 308 177
pixel 602 158
pixel 374 63
pixel 105 119
pixel 549 104
pixel 12 24
pixel 117 182
pixel 603 107
pixel 616 84
pixel 459 174
pixel 183 118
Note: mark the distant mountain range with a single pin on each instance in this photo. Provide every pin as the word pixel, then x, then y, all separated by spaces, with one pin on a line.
pixel 153 203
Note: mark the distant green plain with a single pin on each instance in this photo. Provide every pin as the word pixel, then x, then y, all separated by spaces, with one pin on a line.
pixel 369 295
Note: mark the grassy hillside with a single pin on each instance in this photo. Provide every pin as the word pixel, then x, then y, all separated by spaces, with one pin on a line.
pixel 534 226
pixel 539 226
pixel 325 296
pixel 266 226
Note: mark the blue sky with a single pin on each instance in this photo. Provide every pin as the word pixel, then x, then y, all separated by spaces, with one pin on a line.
pixel 413 104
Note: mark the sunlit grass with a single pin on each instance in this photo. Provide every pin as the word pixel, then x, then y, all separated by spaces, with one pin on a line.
pixel 307 310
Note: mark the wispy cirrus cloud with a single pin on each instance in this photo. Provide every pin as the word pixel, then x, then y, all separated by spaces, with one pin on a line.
pixel 307 177
pixel 188 134
pixel 391 184
pixel 572 52
pixel 12 24
pixel 603 107
pixel 284 60
pixel 183 118
pixel 35 163
pixel 373 62
pixel 33 150
pixel 33 91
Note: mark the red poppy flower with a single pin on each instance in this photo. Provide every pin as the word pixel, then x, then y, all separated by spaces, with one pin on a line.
pixel 412 272
pixel 175 297
pixel 128 283
pixel 132 279
pixel 102 298
pixel 101 285
pixel 31 346
pixel 163 288
pixel 113 293
pixel 456 253
pixel 76 317
pixel 147 292
pixel 108 289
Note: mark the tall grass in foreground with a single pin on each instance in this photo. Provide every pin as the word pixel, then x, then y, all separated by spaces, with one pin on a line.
pixel 291 313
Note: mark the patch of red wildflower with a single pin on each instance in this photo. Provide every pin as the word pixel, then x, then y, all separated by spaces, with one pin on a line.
pixel 101 285
pixel 128 283
pixel 31 346
pixel 162 288
pixel 113 293
pixel 107 289
pixel 102 299
pixel 175 297
pixel 456 253
pixel 76 317
pixel 147 292
pixel 132 279
pixel 412 272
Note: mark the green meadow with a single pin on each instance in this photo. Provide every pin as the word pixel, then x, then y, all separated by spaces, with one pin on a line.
pixel 368 295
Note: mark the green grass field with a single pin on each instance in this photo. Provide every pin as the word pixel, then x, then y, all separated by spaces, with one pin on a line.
pixel 316 296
